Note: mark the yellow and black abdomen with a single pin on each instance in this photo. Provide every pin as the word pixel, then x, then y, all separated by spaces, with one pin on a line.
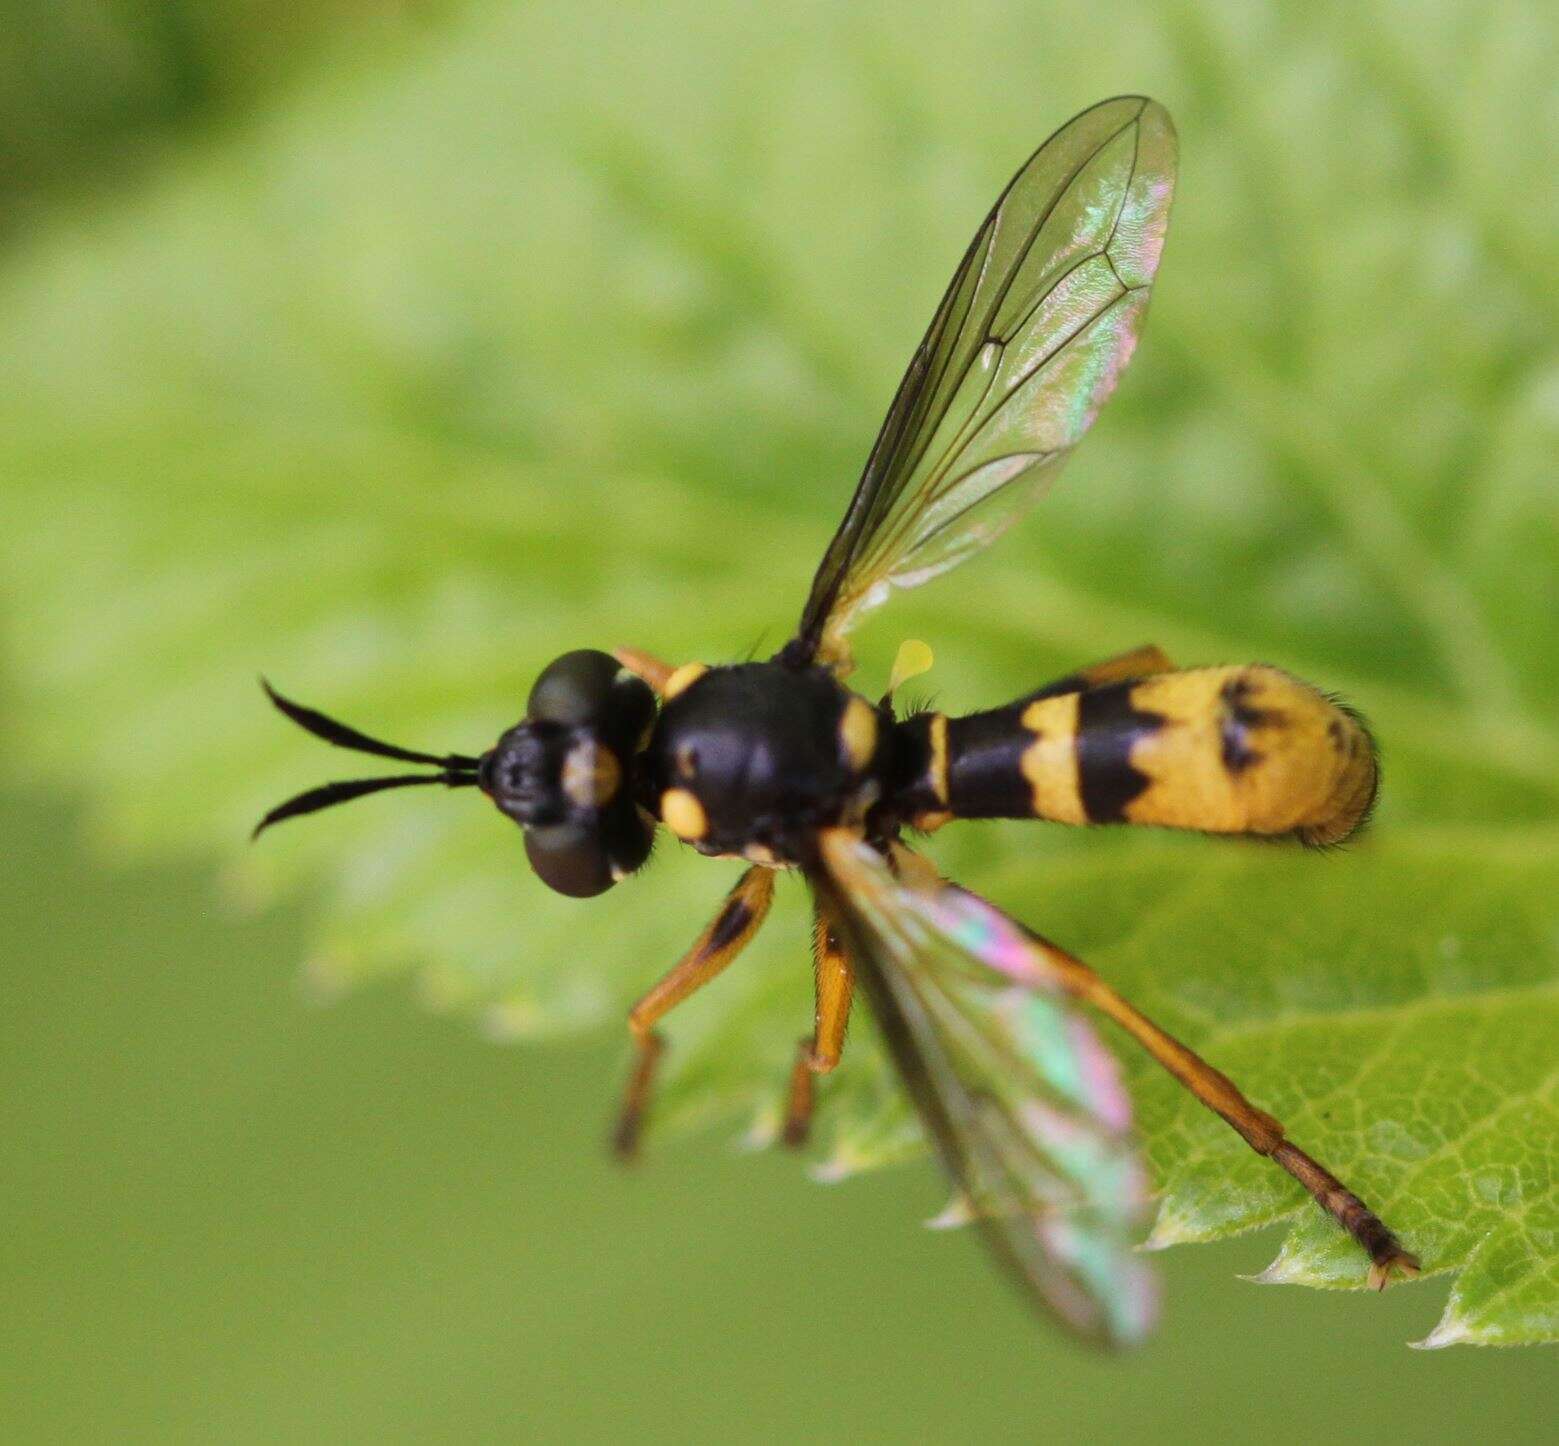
pixel 1222 750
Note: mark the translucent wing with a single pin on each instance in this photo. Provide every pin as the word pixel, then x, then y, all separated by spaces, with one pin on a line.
pixel 1020 1095
pixel 1031 337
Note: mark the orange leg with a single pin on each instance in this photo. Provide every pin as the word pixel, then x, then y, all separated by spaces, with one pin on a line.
pixel 728 934
pixel 1264 1134
pixel 1140 662
pixel 819 1052
pixel 1259 1130
pixel 652 670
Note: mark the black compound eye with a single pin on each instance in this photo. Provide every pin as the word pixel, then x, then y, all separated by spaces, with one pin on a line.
pixel 570 859
pixel 565 773
pixel 574 689
pixel 591 689
pixel 587 856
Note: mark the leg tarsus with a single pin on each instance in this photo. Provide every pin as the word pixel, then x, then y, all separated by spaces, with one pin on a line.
pixel 802 1100
pixel 802 1097
pixel 630 1122
pixel 1384 1249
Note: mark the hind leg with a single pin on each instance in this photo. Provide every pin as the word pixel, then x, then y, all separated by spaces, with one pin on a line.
pixel 1140 662
pixel 1261 1131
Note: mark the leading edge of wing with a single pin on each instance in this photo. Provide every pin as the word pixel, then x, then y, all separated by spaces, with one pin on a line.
pixel 1056 195
pixel 1021 1098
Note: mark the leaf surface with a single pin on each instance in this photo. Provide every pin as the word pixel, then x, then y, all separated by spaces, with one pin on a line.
pixel 470 356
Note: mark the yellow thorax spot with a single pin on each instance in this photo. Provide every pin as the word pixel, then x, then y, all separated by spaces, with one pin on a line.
pixel 683 679
pixel 684 814
pixel 858 733
pixel 591 775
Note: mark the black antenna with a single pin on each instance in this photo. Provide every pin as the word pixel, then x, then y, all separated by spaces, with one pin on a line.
pixel 329 794
pixel 315 722
pixel 456 770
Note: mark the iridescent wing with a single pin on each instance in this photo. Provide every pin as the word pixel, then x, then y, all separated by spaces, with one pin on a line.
pixel 1040 319
pixel 1018 1092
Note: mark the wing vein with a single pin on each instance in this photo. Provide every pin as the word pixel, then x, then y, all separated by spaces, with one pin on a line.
pixel 1016 267
pixel 1015 1089
pixel 1059 217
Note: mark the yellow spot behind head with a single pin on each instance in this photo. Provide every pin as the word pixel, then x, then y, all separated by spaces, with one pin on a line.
pixel 683 814
pixel 913 658
pixel 683 679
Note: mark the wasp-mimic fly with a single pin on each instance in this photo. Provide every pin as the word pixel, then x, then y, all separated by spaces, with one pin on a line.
pixel 781 764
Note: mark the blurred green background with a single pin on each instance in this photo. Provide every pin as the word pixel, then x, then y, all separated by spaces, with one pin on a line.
pixel 393 349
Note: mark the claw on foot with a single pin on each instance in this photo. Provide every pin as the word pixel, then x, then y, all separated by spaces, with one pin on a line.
pixel 1381 1271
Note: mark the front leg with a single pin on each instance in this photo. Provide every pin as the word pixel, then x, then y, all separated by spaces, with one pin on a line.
pixel 665 680
pixel 651 669
pixel 728 934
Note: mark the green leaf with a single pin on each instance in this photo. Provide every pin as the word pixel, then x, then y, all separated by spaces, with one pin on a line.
pixel 572 328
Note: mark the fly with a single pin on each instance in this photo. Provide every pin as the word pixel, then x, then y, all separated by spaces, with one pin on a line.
pixel 783 765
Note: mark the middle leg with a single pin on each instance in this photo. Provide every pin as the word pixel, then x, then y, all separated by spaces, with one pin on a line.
pixel 819 1053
